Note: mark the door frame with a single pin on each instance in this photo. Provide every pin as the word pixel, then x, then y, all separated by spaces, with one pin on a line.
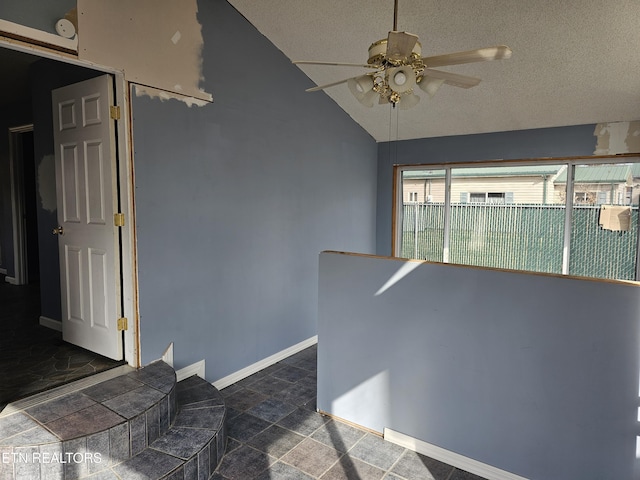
pixel 129 290
pixel 16 174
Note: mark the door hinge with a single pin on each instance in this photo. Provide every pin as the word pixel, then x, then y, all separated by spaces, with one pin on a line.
pixel 118 219
pixel 123 324
pixel 114 112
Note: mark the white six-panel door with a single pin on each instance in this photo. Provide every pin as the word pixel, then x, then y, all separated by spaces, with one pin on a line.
pixel 85 149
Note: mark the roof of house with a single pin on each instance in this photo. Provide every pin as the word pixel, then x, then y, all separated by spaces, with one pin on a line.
pixel 598 174
pixel 473 172
pixel 618 173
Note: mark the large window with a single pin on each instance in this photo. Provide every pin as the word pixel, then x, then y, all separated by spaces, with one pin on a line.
pixel 524 217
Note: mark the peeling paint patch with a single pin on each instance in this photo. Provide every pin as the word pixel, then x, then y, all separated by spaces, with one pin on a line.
pixel 46 183
pixel 139 45
pixel 163 95
pixel 617 137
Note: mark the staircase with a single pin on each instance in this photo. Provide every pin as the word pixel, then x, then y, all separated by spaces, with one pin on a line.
pixel 125 423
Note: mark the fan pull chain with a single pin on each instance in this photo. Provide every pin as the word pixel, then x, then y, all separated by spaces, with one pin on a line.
pixel 393 139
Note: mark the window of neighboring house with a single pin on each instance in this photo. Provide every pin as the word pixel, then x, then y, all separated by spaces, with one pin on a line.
pixel 487 197
pixel 515 216
pixel 413 196
pixel 584 198
pixel 495 198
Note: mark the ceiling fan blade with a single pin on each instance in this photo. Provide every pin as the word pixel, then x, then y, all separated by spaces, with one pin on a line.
pixel 334 64
pixel 480 55
pixel 322 87
pixel 400 45
pixel 453 79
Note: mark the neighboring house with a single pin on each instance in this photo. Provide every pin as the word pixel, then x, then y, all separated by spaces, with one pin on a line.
pixel 530 184
pixel 594 185
pixel 600 184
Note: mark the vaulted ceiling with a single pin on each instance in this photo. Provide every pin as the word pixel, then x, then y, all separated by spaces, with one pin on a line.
pixel 574 62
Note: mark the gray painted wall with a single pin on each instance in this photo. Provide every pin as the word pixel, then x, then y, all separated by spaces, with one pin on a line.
pixel 522 144
pixel 36 13
pixel 533 374
pixel 235 200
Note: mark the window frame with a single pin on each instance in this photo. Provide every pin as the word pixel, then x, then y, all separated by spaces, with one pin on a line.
pixel 570 162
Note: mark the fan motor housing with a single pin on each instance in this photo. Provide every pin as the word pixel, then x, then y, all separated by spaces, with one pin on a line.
pixel 378 50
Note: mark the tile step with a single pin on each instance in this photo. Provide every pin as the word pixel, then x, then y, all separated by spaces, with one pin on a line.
pixel 138 421
pixel 194 445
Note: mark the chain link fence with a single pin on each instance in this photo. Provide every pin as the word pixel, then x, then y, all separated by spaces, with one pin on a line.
pixel 521 237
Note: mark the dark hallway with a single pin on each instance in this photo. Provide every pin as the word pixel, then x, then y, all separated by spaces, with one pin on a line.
pixel 34 358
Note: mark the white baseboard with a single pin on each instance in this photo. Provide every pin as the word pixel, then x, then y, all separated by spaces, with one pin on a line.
pixel 256 367
pixel 191 370
pixel 10 280
pixel 197 368
pixel 450 458
pixel 167 356
pixel 51 323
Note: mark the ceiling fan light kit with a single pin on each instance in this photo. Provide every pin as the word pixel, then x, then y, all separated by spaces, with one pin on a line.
pixel 362 88
pixel 399 66
pixel 401 79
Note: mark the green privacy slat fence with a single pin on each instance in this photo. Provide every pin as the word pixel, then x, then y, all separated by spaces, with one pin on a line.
pixel 600 253
pixel 423 231
pixel 520 237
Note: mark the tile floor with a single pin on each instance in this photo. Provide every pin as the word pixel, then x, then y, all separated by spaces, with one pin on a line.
pixel 274 433
pixel 35 358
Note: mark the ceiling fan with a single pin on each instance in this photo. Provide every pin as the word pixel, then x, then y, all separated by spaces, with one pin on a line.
pixel 398 66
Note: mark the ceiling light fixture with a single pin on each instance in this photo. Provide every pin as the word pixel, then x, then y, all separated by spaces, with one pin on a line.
pixel 398 66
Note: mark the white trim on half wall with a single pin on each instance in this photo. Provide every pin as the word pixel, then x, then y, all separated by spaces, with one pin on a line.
pixel 450 458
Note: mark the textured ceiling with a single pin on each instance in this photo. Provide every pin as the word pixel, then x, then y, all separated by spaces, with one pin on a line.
pixel 574 62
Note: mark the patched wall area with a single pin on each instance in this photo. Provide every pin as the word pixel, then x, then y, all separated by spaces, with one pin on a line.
pixel 616 138
pixel 155 43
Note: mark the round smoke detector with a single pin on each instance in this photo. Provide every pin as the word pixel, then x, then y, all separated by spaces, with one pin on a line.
pixel 65 28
